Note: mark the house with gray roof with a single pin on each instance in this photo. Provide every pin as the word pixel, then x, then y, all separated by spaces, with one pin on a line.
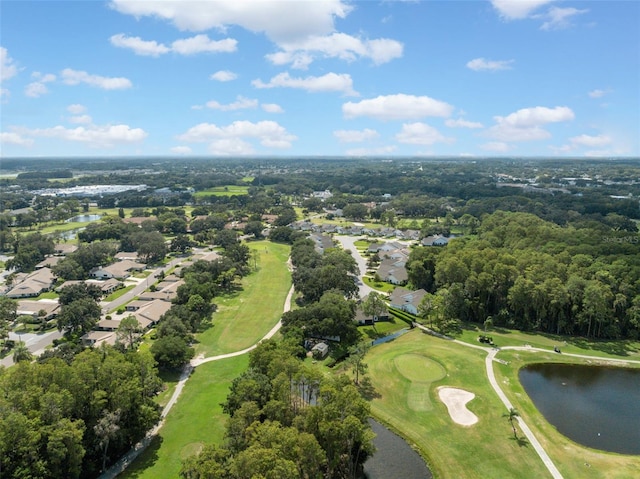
pixel 407 300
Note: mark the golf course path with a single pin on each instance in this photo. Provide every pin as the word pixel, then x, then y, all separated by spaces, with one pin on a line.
pixel 491 357
pixel 136 450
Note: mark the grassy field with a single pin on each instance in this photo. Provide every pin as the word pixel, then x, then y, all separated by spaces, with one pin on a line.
pixel 245 317
pixel 406 373
pixel 228 190
pixel 194 421
pixel 241 320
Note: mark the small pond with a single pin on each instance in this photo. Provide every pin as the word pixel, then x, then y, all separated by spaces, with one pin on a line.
pixel 393 457
pixel 595 406
pixel 83 218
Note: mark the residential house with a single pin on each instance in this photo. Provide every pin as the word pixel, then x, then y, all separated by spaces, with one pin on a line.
pixel 40 281
pixel 323 195
pixel 363 319
pixel 63 249
pixel 48 262
pixel 33 308
pixel 393 271
pixel 407 300
pixel 130 255
pixel 322 242
pixel 119 270
pixel 96 338
pixel 435 240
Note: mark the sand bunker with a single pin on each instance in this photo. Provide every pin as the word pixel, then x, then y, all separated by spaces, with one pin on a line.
pixel 456 401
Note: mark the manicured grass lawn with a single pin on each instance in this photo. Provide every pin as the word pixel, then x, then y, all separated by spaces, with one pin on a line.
pixel 119 292
pixel 405 374
pixel 381 286
pixel 243 318
pixel 194 421
pixel 382 328
pixel 228 190
pixel 506 337
pixel 408 402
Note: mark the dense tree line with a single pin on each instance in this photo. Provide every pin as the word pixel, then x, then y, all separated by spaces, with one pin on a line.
pixel 70 419
pixel 287 420
pixel 527 273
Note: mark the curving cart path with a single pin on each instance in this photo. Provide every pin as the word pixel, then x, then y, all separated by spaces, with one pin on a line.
pixel 491 357
pixel 128 458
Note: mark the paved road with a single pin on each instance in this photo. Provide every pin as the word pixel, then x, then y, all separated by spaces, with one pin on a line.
pixel 128 458
pixel 36 343
pixel 348 242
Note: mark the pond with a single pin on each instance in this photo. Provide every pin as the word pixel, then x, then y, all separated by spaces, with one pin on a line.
pixel 83 218
pixel 393 457
pixel 595 406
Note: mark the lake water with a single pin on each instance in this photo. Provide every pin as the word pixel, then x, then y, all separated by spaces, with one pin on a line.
pixel 393 458
pixel 595 406
pixel 83 219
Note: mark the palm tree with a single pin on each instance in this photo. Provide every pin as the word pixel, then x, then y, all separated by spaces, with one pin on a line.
pixel 511 417
pixel 21 353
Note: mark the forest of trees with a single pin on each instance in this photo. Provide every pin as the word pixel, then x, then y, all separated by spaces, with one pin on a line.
pixel 287 420
pixel 530 274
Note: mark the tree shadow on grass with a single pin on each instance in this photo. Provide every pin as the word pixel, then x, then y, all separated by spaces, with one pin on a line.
pixel 618 347
pixel 520 441
pixel 367 390
pixel 145 460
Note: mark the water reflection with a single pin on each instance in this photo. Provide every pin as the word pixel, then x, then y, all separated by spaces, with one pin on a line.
pixel 394 458
pixel 83 219
pixel 598 407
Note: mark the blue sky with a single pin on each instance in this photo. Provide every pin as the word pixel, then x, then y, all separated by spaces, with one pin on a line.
pixel 312 77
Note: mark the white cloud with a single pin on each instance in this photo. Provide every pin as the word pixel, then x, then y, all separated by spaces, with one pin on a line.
pixel 329 82
pixel 139 46
pixel 75 77
pixel 591 141
pixel 461 123
pixel 4 93
pixel 268 133
pixel 597 93
pixel 558 18
pixel 280 21
pixel 38 87
pixel 202 44
pixel 272 108
pixel 355 136
pixel 241 103
pixel 81 119
pixel 181 150
pixel 378 151
pixel 517 9
pixel 497 146
pixel 223 76
pixel 337 45
pixel 185 46
pixel 76 109
pixel 397 107
pixel 421 134
pixel 480 64
pixel 231 147
pixel 539 115
pixel 8 67
pixel 526 124
pixel 95 136
pixel 11 138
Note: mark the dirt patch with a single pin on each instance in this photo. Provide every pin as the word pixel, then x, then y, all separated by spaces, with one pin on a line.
pixel 456 401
